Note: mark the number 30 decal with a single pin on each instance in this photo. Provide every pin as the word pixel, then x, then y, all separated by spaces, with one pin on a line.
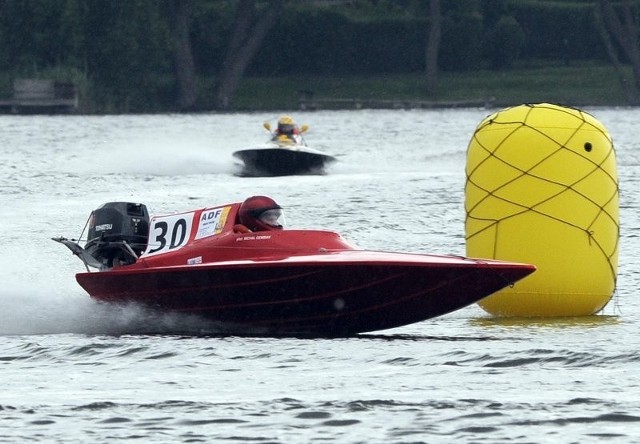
pixel 169 233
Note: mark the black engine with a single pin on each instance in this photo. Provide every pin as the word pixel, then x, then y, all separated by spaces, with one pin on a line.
pixel 118 233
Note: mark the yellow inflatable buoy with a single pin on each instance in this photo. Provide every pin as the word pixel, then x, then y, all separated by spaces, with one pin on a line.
pixel 542 188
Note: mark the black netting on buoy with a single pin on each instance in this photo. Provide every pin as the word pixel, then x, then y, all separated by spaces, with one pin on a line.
pixel 557 142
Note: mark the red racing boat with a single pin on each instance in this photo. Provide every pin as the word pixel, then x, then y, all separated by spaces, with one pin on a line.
pixel 274 281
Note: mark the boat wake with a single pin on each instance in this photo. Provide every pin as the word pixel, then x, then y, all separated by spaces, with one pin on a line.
pixel 37 312
pixel 166 157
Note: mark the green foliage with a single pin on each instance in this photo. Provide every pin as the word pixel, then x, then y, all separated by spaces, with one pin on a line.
pixel 121 53
pixel 115 51
pixel 211 26
pixel 557 30
pixel 30 36
pixel 505 42
pixel 130 50
pixel 461 46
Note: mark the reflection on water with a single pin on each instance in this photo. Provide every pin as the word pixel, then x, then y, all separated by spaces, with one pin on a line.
pixel 553 322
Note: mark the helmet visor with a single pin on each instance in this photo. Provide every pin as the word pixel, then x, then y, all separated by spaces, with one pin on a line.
pixel 286 128
pixel 274 217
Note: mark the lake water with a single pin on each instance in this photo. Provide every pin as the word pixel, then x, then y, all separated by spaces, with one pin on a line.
pixel 72 370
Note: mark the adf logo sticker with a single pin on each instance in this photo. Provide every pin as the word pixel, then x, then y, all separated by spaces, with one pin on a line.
pixel 212 222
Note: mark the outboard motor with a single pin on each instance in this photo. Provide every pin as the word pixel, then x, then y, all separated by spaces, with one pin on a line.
pixel 118 233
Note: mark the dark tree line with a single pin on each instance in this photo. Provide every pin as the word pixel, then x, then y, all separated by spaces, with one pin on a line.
pixel 621 25
pixel 157 55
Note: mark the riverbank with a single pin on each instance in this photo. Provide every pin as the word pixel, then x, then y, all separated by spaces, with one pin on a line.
pixel 576 85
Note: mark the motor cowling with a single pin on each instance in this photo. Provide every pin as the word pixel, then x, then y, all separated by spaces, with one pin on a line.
pixel 118 231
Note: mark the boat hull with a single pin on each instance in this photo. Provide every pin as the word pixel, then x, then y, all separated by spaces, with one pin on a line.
pixel 336 294
pixel 283 161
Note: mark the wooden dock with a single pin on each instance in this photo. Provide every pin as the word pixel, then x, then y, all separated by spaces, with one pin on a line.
pixel 38 96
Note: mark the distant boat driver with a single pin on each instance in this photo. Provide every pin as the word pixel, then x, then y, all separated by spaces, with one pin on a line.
pixel 259 213
pixel 287 129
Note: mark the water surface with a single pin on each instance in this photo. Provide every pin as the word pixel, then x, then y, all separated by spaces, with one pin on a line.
pixel 73 370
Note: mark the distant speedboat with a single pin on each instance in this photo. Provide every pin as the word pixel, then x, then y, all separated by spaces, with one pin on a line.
pixel 282 282
pixel 274 159
pixel 283 156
